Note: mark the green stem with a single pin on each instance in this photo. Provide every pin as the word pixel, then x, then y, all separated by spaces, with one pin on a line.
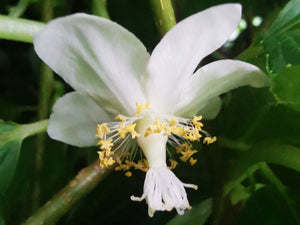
pixel 19 9
pixel 18 29
pixel 230 185
pixel 45 91
pixel 34 128
pixel 99 8
pixel 163 14
pixel 83 183
pixel 268 173
pixel 24 131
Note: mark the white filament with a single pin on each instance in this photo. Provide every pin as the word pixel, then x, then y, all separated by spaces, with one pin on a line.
pixel 164 191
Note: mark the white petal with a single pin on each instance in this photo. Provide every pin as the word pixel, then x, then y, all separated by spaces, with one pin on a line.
pixel 215 79
pixel 209 110
pixel 96 57
pixel 74 120
pixel 177 55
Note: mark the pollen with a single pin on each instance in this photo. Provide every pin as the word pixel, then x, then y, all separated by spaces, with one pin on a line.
pixel 186 150
pixel 186 155
pixel 105 158
pixel 120 117
pixel 128 174
pixel 102 129
pixel 196 121
pixel 173 164
pixel 192 161
pixel 209 140
pixel 184 147
pixel 191 134
pixel 141 165
pixel 105 144
pixel 123 130
pixel 141 107
pixel 173 122
pixel 123 166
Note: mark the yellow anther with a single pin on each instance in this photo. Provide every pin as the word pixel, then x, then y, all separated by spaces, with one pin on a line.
pixel 192 134
pixel 148 131
pixel 120 117
pixel 128 174
pixel 173 164
pixel 168 131
pixel 192 161
pixel 123 130
pixel 209 140
pixel 126 166
pixel 140 107
pixel 105 158
pixel 177 130
pixel 141 165
pixel 159 127
pixel 105 144
pixel 102 129
pixel 130 129
pixel 186 151
pixel 186 155
pixel 196 122
pixel 184 147
pixel 156 128
pixel 173 122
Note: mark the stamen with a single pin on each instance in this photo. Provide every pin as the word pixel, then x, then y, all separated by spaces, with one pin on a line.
pixel 123 130
pixel 105 144
pixel 102 129
pixel 192 161
pixel 173 164
pixel 120 117
pixel 196 121
pixel 140 107
pixel 128 174
pixel 105 158
pixel 115 137
pixel 209 140
pixel 141 165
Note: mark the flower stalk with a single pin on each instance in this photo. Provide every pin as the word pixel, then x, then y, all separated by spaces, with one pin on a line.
pixel 163 14
pixel 46 87
pixel 86 180
pixel 99 8
pixel 16 29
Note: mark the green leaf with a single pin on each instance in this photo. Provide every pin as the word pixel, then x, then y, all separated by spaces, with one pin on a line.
pixel 197 216
pixel 11 137
pixel 282 41
pixel 287 18
pixel 285 87
pixel 2 222
pixel 265 207
pixel 268 151
pixel 254 115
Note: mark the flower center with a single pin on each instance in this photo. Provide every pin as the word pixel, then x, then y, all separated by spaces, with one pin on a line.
pixel 153 146
pixel 152 133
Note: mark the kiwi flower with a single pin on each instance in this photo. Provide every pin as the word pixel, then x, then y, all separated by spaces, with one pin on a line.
pixel 126 100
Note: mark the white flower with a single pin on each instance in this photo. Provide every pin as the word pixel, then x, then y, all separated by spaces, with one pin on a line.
pixel 110 71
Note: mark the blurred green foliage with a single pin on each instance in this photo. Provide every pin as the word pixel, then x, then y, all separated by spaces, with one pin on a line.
pixel 255 126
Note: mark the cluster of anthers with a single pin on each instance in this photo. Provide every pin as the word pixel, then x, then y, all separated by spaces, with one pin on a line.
pixel 115 142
